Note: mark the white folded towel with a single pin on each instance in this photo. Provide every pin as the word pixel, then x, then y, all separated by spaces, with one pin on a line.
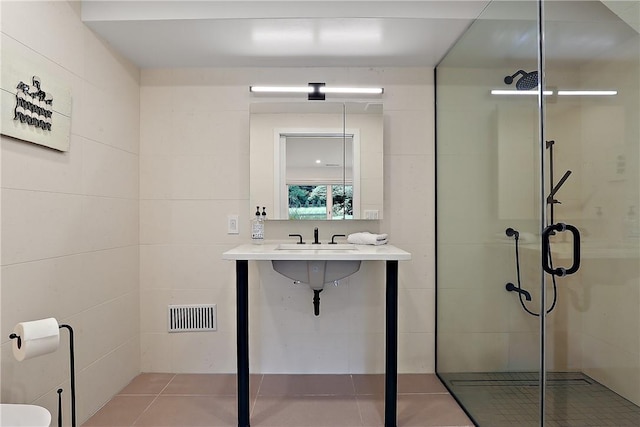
pixel 366 238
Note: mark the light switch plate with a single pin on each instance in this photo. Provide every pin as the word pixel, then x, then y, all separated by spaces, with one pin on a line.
pixel 232 224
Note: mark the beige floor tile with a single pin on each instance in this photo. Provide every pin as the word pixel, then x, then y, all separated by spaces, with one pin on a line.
pixel 150 383
pixel 420 383
pixel 190 411
pixel 121 411
pixel 307 385
pixel 415 410
pixel 306 411
pixel 407 383
pixel 209 384
pixel 193 400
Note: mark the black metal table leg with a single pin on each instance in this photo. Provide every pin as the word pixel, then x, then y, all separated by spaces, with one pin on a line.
pixel 242 324
pixel 391 363
pixel 391 368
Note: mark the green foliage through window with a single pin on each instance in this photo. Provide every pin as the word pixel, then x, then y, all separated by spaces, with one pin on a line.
pixel 310 201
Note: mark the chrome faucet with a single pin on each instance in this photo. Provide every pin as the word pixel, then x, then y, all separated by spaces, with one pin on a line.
pixel 315 236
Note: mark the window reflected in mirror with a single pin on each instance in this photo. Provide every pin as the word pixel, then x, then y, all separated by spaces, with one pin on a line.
pixel 323 201
pixel 317 161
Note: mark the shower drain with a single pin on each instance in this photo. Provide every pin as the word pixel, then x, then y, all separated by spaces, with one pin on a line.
pixel 519 383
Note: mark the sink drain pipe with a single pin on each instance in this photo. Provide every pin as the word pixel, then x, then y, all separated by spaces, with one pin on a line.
pixel 316 301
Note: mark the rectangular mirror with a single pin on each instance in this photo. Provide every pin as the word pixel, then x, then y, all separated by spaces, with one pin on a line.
pixel 317 160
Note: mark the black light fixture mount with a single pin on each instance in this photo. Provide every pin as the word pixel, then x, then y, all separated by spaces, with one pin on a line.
pixel 316 94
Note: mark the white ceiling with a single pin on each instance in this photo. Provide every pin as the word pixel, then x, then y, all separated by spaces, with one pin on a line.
pixel 265 33
pixel 354 33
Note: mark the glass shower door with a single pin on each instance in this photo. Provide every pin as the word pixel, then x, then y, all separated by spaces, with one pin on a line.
pixel 591 120
pixel 489 217
pixel 529 332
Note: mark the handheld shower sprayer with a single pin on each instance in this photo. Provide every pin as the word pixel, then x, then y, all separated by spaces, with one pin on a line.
pixel 510 232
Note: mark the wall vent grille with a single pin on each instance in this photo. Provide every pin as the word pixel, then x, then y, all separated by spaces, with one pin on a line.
pixel 192 317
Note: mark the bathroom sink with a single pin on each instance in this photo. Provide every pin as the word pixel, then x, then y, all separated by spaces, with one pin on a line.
pixel 312 247
pixel 316 273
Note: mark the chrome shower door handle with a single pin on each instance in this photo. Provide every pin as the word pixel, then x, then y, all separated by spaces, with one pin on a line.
pixel 546 249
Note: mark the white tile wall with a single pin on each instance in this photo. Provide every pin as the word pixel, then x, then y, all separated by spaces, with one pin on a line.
pixel 70 221
pixel 194 171
pixel 45 170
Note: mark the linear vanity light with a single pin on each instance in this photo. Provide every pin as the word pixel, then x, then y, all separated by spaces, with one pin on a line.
pixel 353 90
pixel 518 92
pixel 317 91
pixel 280 89
pixel 588 92
pixel 559 92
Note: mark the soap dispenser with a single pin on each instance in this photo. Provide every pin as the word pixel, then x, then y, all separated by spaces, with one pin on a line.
pixel 257 228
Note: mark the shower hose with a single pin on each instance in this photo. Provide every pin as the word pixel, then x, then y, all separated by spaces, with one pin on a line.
pixel 553 278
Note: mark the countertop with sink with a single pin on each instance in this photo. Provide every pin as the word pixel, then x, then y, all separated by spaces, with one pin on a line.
pixel 272 250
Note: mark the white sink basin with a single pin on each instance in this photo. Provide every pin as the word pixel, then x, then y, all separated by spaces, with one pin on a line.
pixel 316 273
pixel 312 247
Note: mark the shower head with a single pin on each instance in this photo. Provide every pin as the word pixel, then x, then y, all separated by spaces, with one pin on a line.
pixel 528 81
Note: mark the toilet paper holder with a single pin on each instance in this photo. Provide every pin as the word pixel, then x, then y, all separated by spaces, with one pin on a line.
pixel 71 374
pixel 16 337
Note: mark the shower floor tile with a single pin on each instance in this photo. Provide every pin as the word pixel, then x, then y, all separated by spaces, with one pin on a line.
pixel 188 400
pixel 511 398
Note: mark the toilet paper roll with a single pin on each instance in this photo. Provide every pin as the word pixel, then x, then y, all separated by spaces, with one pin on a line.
pixel 36 338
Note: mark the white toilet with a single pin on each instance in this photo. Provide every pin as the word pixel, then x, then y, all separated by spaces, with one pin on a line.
pixel 16 415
